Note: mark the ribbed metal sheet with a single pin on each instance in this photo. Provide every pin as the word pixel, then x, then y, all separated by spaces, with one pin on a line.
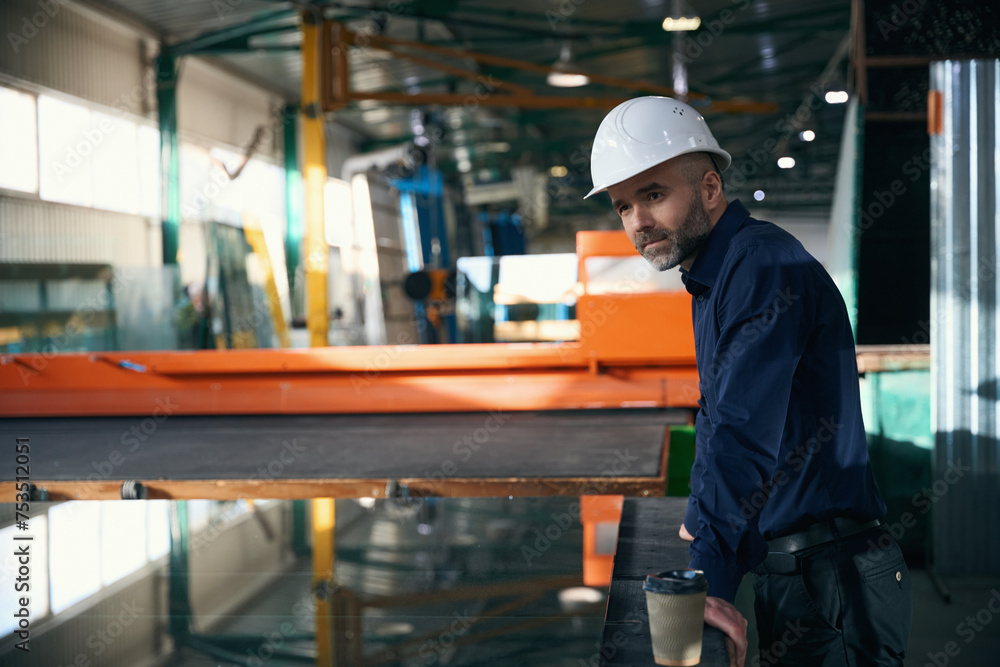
pixel 965 339
pixel 69 51
pixel 44 232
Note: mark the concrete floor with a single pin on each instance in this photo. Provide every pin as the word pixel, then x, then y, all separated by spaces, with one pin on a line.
pixel 936 624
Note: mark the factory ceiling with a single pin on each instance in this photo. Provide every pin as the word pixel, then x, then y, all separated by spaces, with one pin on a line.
pixel 758 70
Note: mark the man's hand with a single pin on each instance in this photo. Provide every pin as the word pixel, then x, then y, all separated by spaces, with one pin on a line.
pixel 685 535
pixel 722 615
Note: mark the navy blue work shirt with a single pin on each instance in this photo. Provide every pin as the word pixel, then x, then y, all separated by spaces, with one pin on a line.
pixel 780 443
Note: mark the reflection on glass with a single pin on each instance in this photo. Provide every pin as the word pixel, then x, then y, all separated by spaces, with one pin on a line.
pixel 75 554
pixel 414 582
pixel 123 539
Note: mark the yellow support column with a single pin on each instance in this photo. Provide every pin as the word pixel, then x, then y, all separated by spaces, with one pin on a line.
pixel 324 518
pixel 314 178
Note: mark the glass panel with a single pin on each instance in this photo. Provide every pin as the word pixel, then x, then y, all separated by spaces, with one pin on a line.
pixel 18 141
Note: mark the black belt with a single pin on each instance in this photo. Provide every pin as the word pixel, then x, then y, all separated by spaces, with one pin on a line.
pixel 781 558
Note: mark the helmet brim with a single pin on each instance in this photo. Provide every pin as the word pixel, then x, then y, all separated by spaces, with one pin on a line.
pixel 622 176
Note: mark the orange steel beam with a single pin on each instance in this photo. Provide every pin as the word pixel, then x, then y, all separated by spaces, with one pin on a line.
pixel 524 65
pixel 635 350
pixel 521 96
pixel 438 65
pixel 72 385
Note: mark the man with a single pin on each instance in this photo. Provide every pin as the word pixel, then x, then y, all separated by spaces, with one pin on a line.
pixel 781 483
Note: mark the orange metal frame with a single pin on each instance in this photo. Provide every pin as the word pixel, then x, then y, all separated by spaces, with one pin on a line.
pixel 635 350
pixel 337 91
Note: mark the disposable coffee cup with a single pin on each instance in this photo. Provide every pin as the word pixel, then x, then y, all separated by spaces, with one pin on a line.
pixel 676 603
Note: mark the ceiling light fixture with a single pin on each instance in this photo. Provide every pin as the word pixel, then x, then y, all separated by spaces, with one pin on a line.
pixel 681 23
pixel 807 135
pixel 558 171
pixel 682 17
pixel 758 195
pixel 786 162
pixel 836 96
pixel 562 74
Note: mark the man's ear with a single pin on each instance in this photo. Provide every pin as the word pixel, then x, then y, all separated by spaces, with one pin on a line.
pixel 711 189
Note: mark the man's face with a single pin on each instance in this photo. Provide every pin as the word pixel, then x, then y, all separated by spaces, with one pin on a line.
pixel 662 213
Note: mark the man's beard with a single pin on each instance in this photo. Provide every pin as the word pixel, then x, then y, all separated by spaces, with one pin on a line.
pixel 680 244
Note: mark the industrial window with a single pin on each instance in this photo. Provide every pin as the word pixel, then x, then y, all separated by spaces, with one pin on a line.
pixel 116 161
pixel 18 141
pixel 65 151
pixel 97 159
pixel 149 171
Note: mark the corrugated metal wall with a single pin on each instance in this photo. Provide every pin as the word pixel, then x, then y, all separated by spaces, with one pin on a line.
pixel 44 232
pixel 965 339
pixel 57 46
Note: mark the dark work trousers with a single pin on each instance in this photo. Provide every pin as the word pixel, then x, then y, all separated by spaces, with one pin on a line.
pixel 850 605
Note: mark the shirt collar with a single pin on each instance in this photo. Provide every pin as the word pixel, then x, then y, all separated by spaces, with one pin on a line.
pixel 705 268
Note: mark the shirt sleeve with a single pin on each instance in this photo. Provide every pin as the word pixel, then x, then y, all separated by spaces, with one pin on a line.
pixel 691 515
pixel 761 318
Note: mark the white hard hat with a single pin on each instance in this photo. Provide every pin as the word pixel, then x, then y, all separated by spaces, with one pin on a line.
pixel 644 132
